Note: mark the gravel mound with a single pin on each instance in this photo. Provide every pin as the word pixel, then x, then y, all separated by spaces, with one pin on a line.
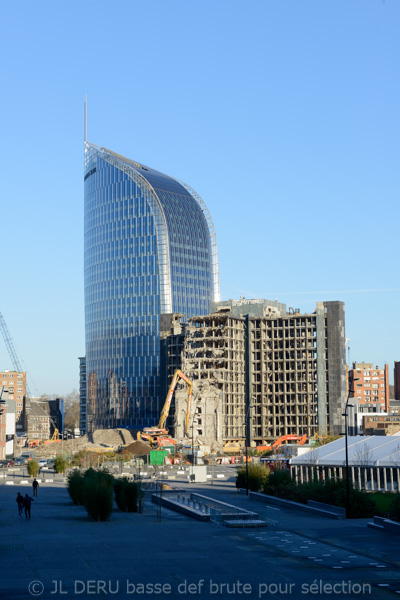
pixel 138 448
pixel 112 437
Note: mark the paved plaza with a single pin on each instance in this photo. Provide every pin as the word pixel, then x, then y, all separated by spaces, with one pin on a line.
pixel 61 553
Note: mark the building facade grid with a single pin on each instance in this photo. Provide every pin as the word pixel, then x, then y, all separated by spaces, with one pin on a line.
pixel 149 250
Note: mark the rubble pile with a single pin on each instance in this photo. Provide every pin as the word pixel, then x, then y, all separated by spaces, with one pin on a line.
pixel 112 437
pixel 138 448
pixel 100 438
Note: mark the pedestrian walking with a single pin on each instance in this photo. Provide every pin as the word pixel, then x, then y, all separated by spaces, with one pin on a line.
pixel 27 504
pixel 20 501
pixel 35 485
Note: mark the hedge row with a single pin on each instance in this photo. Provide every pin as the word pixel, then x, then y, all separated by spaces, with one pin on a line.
pixel 330 491
pixel 257 474
pixel 126 494
pixel 279 483
pixel 94 489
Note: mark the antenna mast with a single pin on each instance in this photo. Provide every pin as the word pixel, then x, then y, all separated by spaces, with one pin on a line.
pixel 85 120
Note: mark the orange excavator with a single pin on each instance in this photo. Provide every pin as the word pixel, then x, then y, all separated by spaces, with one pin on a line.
pixel 281 440
pixel 157 435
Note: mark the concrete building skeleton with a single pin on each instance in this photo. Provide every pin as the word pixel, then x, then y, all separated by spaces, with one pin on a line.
pixel 289 367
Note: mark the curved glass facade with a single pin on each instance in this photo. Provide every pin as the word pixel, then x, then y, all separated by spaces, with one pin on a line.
pixel 149 250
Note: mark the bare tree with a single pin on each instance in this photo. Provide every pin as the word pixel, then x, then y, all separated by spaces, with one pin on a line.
pixel 363 457
pixel 71 411
pixel 71 408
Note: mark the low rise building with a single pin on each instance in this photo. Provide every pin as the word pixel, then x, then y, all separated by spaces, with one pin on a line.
pixel 381 424
pixel 42 417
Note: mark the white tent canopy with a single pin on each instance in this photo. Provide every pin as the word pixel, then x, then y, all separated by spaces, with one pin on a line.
pixel 372 450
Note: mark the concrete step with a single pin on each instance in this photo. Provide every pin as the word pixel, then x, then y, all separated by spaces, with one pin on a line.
pixel 245 523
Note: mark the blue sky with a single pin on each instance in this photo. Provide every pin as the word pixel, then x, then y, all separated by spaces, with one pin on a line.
pixel 283 116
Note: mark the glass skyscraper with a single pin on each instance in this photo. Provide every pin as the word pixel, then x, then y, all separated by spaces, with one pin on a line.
pixel 150 249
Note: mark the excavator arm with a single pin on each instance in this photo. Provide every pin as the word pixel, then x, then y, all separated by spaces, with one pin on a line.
pixel 284 438
pixel 167 404
pixel 189 402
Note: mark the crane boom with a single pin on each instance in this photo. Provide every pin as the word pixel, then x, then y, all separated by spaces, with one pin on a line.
pixel 165 411
pixel 9 344
pixel 11 349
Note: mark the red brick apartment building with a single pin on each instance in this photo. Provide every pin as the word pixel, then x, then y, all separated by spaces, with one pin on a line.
pixel 15 383
pixel 372 384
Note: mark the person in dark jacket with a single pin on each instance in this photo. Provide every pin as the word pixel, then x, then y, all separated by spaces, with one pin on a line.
pixel 27 504
pixel 20 501
pixel 35 485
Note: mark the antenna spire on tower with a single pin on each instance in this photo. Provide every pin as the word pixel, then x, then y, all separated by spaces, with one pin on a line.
pixel 85 119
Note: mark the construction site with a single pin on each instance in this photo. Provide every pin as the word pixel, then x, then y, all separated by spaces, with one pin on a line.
pixel 258 373
pixel 245 376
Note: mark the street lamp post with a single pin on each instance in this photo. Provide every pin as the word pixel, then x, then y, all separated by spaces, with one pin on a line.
pixel 247 470
pixel 193 424
pixel 345 415
pixel 192 445
pixel 248 425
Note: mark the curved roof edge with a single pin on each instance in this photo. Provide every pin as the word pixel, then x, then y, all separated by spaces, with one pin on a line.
pixel 131 170
pixel 137 167
pixel 213 238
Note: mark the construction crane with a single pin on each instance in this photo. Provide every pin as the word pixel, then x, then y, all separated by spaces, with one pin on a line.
pixel 11 350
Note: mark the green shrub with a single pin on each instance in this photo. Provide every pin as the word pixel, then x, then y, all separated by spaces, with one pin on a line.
pixel 118 485
pixel 98 499
pixel 60 464
pixel 394 509
pixel 382 502
pixel 102 476
pixel 361 505
pixel 33 468
pixel 130 496
pixel 98 493
pixel 276 483
pixel 126 494
pixel 257 475
pixel 76 486
pixel 84 459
